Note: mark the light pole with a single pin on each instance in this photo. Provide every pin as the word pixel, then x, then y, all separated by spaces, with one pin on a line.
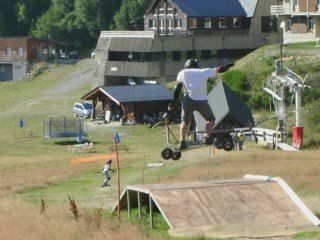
pixel 282 26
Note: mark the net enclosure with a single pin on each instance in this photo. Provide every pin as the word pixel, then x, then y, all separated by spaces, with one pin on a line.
pixel 64 127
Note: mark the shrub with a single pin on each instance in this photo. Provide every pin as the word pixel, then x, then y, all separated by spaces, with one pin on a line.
pixel 237 80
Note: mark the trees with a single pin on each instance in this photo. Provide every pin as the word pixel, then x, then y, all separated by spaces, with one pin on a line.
pixel 95 15
pixel 130 15
pixel 76 22
pixel 28 11
pixel 8 19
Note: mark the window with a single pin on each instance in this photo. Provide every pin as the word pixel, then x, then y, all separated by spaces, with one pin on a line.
pixel 170 9
pixel 162 30
pixel 170 25
pixel 152 23
pixel 178 23
pixel 161 10
pixel 130 56
pixel 168 56
pixel 198 54
pixel 205 54
pixel 311 24
pixel 184 55
pixel 20 51
pixel 236 22
pixel 207 23
pixel 176 56
pixel 268 24
pixel 222 22
pixel 273 24
pixel 296 2
pixel 191 54
pixel 289 24
pixel 8 51
pixel 193 23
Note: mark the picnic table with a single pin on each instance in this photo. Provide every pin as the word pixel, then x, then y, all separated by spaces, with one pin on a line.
pixel 81 148
pixel 119 147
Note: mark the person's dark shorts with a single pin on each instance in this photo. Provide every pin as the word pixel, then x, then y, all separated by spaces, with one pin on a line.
pixel 189 106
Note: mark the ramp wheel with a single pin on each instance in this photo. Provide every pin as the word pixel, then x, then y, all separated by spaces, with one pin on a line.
pixel 228 145
pixel 166 153
pixel 176 155
pixel 218 142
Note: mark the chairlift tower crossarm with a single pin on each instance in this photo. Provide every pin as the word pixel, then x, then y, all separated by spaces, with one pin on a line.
pixel 276 84
pixel 276 88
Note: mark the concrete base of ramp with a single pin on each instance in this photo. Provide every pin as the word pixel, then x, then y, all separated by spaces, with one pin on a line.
pixel 249 207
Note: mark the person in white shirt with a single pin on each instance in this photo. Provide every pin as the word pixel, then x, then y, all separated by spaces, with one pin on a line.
pixel 105 172
pixel 194 82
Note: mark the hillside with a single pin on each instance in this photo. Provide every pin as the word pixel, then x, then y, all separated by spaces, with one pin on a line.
pixel 36 174
pixel 258 65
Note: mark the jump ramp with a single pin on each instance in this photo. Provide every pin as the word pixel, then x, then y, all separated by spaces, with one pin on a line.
pixel 253 207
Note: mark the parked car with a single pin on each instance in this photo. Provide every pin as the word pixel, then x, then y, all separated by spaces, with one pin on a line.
pixel 74 55
pixel 62 55
pixel 93 54
pixel 82 109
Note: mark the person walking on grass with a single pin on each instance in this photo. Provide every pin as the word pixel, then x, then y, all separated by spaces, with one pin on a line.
pixel 235 141
pixel 105 172
pixel 241 139
pixel 194 82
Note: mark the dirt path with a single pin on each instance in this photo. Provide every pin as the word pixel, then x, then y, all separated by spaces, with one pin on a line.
pixel 73 81
pixel 69 83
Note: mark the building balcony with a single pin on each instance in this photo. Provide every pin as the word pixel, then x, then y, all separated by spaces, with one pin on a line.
pixel 276 10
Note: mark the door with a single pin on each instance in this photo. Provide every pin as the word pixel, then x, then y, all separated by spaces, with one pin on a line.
pixel 5 72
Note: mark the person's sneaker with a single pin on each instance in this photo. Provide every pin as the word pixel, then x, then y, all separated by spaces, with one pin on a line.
pixel 182 145
pixel 206 140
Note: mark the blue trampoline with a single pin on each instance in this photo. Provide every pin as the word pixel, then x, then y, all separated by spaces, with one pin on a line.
pixel 63 127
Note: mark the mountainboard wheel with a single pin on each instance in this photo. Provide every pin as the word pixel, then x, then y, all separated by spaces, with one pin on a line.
pixel 218 142
pixel 166 153
pixel 176 155
pixel 228 145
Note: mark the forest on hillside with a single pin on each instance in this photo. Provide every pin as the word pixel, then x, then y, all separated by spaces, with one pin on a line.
pixel 76 22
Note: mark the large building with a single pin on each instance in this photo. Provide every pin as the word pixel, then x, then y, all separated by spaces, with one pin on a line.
pixel 17 53
pixel 301 19
pixel 176 30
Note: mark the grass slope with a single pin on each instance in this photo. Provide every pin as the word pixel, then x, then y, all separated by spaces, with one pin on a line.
pixel 31 168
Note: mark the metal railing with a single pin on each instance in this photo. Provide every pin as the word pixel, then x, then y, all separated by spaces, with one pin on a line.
pixel 279 10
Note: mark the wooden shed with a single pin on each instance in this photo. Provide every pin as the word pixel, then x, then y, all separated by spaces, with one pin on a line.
pixel 134 100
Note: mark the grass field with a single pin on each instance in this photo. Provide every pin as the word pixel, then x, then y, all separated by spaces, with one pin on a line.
pixel 32 169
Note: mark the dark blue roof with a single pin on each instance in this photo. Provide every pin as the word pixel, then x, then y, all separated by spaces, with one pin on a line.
pixel 138 93
pixel 207 8
pixel 224 102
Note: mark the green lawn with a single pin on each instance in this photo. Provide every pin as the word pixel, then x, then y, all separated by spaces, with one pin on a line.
pixel 43 167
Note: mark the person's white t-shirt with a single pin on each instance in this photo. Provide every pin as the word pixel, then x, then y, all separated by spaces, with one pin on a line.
pixel 194 81
pixel 106 168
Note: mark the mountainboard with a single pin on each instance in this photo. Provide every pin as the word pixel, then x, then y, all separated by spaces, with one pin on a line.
pixel 175 154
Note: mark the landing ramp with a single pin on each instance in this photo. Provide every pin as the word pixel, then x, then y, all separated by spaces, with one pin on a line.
pixel 248 207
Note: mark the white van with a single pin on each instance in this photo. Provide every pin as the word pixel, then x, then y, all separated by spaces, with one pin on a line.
pixel 82 109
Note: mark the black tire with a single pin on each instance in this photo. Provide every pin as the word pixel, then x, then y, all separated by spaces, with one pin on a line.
pixel 166 153
pixel 176 155
pixel 219 143
pixel 228 145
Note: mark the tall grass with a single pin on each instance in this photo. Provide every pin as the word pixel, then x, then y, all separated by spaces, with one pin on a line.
pixel 31 168
pixel 19 220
